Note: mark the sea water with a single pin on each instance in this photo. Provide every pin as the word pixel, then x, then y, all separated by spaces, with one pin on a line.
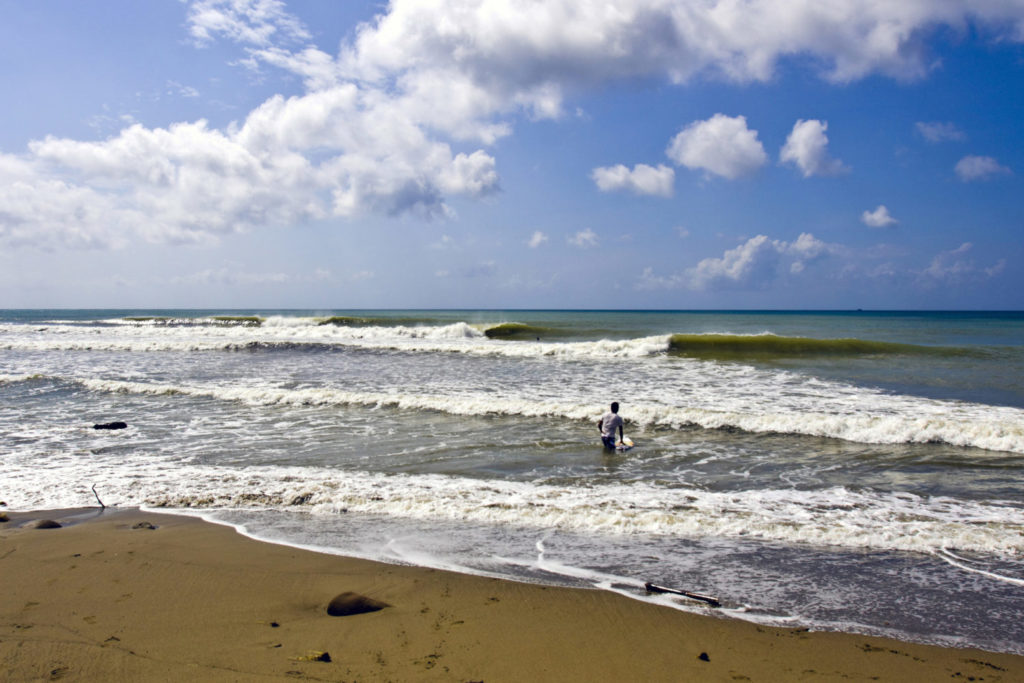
pixel 856 471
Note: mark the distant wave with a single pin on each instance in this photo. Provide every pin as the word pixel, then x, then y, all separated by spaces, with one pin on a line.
pixel 213 320
pixel 768 346
pixel 428 334
pixel 360 321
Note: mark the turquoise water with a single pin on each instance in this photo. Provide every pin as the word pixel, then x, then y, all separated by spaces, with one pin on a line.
pixel 842 470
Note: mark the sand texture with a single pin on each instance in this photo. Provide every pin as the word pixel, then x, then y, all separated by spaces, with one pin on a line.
pixel 111 598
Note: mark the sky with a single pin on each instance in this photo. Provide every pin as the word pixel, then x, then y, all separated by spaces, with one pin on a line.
pixel 643 154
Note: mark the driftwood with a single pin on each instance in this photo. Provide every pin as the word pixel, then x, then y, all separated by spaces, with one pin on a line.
pixel 104 507
pixel 652 588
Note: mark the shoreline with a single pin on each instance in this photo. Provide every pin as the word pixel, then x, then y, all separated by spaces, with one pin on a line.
pixel 107 597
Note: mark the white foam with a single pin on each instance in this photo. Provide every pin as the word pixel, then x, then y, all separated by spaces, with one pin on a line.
pixel 908 421
pixel 833 517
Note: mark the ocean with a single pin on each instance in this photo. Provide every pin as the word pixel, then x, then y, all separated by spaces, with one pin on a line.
pixel 851 471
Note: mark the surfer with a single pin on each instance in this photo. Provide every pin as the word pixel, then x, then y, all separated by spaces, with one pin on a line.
pixel 607 424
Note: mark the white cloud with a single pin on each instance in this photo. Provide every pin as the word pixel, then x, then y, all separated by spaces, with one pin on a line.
pixel 979 168
pixel 807 147
pixel 749 265
pixel 584 239
pixel 536 239
pixel 755 264
pixel 255 22
pixel 722 145
pixel 951 266
pixel 956 268
pixel 643 179
pixel 936 131
pixel 175 88
pixel 879 218
pixel 336 152
pixel 538 49
pixel 376 129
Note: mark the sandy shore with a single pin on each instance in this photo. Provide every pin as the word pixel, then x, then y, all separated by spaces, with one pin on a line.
pixel 102 599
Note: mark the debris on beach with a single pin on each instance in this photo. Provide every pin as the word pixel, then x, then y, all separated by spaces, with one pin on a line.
pixel 314 656
pixel 653 588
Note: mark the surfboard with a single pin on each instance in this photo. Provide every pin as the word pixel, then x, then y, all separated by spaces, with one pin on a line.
pixel 625 444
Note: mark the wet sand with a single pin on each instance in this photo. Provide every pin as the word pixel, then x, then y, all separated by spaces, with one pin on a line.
pixel 106 597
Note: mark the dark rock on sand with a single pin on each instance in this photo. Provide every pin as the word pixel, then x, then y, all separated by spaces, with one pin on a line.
pixel 144 525
pixel 703 656
pixel 349 603
pixel 45 524
pixel 4 517
pixel 111 425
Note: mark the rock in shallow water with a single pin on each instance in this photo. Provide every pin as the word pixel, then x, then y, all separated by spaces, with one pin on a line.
pixel 111 425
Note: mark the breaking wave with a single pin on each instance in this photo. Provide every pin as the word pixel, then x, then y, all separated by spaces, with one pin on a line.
pixel 955 424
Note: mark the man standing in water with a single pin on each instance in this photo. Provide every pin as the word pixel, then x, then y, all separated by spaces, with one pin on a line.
pixel 607 424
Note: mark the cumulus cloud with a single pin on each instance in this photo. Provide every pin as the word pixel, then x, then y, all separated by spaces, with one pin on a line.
pixel 979 168
pixel 536 239
pixel 536 50
pixel 391 121
pixel 643 179
pixel 331 153
pixel 807 147
pixel 936 131
pixel 584 239
pixel 755 264
pixel 879 218
pixel 722 145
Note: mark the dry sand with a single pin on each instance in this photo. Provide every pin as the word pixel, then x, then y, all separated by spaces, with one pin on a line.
pixel 101 600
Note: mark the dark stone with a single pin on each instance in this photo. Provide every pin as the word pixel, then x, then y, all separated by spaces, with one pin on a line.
pixel 703 656
pixel 144 525
pixel 4 517
pixel 349 603
pixel 111 425
pixel 46 524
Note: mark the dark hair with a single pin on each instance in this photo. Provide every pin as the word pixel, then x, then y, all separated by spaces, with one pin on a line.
pixel 615 406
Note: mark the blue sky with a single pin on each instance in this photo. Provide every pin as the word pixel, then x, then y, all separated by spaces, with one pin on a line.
pixel 557 154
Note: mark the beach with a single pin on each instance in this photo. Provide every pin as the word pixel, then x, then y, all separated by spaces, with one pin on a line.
pixel 135 596
pixel 848 472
